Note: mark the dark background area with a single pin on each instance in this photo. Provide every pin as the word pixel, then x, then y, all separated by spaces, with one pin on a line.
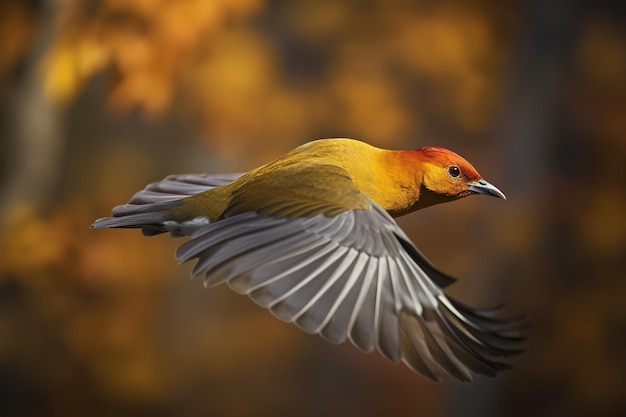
pixel 99 98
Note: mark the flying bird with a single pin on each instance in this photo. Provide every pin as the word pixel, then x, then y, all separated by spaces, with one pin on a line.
pixel 311 237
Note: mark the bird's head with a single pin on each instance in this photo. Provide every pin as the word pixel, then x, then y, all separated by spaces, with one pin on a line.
pixel 448 176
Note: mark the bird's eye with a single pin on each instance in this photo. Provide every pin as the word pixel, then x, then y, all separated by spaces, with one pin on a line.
pixel 454 171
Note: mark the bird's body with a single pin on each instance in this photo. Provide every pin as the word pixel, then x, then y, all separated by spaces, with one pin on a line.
pixel 310 237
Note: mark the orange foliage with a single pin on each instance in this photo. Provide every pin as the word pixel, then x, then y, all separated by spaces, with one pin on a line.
pixel 146 42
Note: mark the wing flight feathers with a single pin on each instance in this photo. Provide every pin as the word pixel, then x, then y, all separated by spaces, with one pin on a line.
pixel 352 276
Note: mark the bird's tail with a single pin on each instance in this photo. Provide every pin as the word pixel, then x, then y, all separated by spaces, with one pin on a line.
pixel 147 208
pixel 149 217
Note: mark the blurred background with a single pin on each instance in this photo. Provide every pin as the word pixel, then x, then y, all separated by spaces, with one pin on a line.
pixel 100 97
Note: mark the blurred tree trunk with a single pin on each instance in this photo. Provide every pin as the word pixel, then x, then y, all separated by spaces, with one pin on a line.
pixel 548 35
pixel 34 125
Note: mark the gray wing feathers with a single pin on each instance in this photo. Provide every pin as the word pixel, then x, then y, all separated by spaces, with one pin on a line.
pixel 350 276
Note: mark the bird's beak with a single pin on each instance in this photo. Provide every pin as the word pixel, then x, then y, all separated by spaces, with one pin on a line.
pixel 483 187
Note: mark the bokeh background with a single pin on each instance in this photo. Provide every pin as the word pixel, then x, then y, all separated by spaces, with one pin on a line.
pixel 100 97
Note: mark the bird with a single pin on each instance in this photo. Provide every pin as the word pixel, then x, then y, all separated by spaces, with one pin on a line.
pixel 311 237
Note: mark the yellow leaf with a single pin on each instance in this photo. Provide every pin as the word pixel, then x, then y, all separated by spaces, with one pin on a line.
pixel 60 75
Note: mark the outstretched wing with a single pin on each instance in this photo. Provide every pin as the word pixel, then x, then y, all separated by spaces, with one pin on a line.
pixel 346 271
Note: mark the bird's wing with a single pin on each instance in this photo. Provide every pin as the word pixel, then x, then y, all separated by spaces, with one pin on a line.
pixel 175 187
pixel 346 273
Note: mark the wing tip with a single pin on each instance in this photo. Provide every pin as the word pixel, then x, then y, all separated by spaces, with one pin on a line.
pixel 436 341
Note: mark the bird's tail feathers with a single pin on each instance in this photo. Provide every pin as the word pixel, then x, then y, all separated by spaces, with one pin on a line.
pixel 150 218
pixel 146 208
